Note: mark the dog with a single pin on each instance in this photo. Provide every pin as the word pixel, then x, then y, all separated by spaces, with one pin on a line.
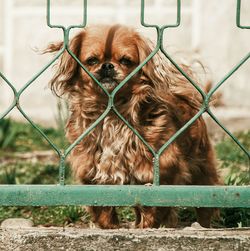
pixel 157 101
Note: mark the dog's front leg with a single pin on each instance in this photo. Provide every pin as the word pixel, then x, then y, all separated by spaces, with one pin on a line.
pixel 145 217
pixel 204 215
pixel 154 217
pixel 104 217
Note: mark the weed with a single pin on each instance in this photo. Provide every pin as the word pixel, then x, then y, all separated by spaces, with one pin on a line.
pixel 7 135
pixel 22 137
pixel 46 216
pixel 235 163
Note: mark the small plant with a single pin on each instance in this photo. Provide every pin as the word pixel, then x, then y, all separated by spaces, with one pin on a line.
pixel 235 217
pixel 233 161
pixel 22 137
pixel 236 165
pixel 48 216
pixel 28 173
pixel 8 175
pixel 126 214
pixel 7 135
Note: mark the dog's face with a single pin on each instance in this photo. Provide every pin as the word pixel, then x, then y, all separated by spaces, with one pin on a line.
pixel 109 53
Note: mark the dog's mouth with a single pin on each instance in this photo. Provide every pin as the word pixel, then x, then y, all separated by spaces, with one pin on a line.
pixel 109 83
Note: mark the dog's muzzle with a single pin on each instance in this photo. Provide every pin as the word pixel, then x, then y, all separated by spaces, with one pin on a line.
pixel 107 73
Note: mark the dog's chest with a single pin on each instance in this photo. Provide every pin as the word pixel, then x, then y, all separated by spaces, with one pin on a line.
pixel 115 137
pixel 116 154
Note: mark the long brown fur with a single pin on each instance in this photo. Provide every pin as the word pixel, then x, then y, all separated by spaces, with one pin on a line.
pixel 157 101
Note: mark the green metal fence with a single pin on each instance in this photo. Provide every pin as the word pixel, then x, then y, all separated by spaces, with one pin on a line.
pixel 125 195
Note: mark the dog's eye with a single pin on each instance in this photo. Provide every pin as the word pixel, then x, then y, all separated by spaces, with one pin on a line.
pixel 92 61
pixel 126 61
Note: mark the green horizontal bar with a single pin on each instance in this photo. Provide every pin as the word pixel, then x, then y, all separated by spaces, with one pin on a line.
pixel 127 195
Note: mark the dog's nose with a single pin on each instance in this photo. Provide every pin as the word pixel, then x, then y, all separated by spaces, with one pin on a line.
pixel 107 70
pixel 107 66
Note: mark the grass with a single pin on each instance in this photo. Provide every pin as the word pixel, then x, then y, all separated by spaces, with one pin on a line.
pixel 21 172
pixel 234 161
pixel 22 137
pixel 236 165
pixel 47 216
pixel 18 138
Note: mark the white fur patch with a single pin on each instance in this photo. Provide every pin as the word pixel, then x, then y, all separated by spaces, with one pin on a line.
pixel 113 166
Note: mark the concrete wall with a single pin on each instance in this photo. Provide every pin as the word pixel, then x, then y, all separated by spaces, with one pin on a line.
pixel 208 32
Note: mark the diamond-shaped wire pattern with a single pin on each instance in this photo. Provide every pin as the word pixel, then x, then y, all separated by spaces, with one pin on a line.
pixel 138 193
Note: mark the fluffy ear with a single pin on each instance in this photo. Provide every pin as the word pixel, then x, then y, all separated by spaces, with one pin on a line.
pixel 67 68
pixel 154 72
pixel 165 78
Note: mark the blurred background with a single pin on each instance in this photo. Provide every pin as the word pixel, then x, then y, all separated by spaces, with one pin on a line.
pixel 208 33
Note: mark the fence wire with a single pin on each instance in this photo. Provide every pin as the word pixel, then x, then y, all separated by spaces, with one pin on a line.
pixel 92 195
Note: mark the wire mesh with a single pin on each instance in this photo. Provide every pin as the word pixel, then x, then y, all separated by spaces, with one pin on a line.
pixel 215 195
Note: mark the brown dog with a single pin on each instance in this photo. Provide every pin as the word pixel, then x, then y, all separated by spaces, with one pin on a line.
pixel 157 101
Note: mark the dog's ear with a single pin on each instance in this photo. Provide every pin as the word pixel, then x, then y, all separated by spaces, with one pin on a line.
pixel 67 68
pixel 165 78
pixel 153 72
